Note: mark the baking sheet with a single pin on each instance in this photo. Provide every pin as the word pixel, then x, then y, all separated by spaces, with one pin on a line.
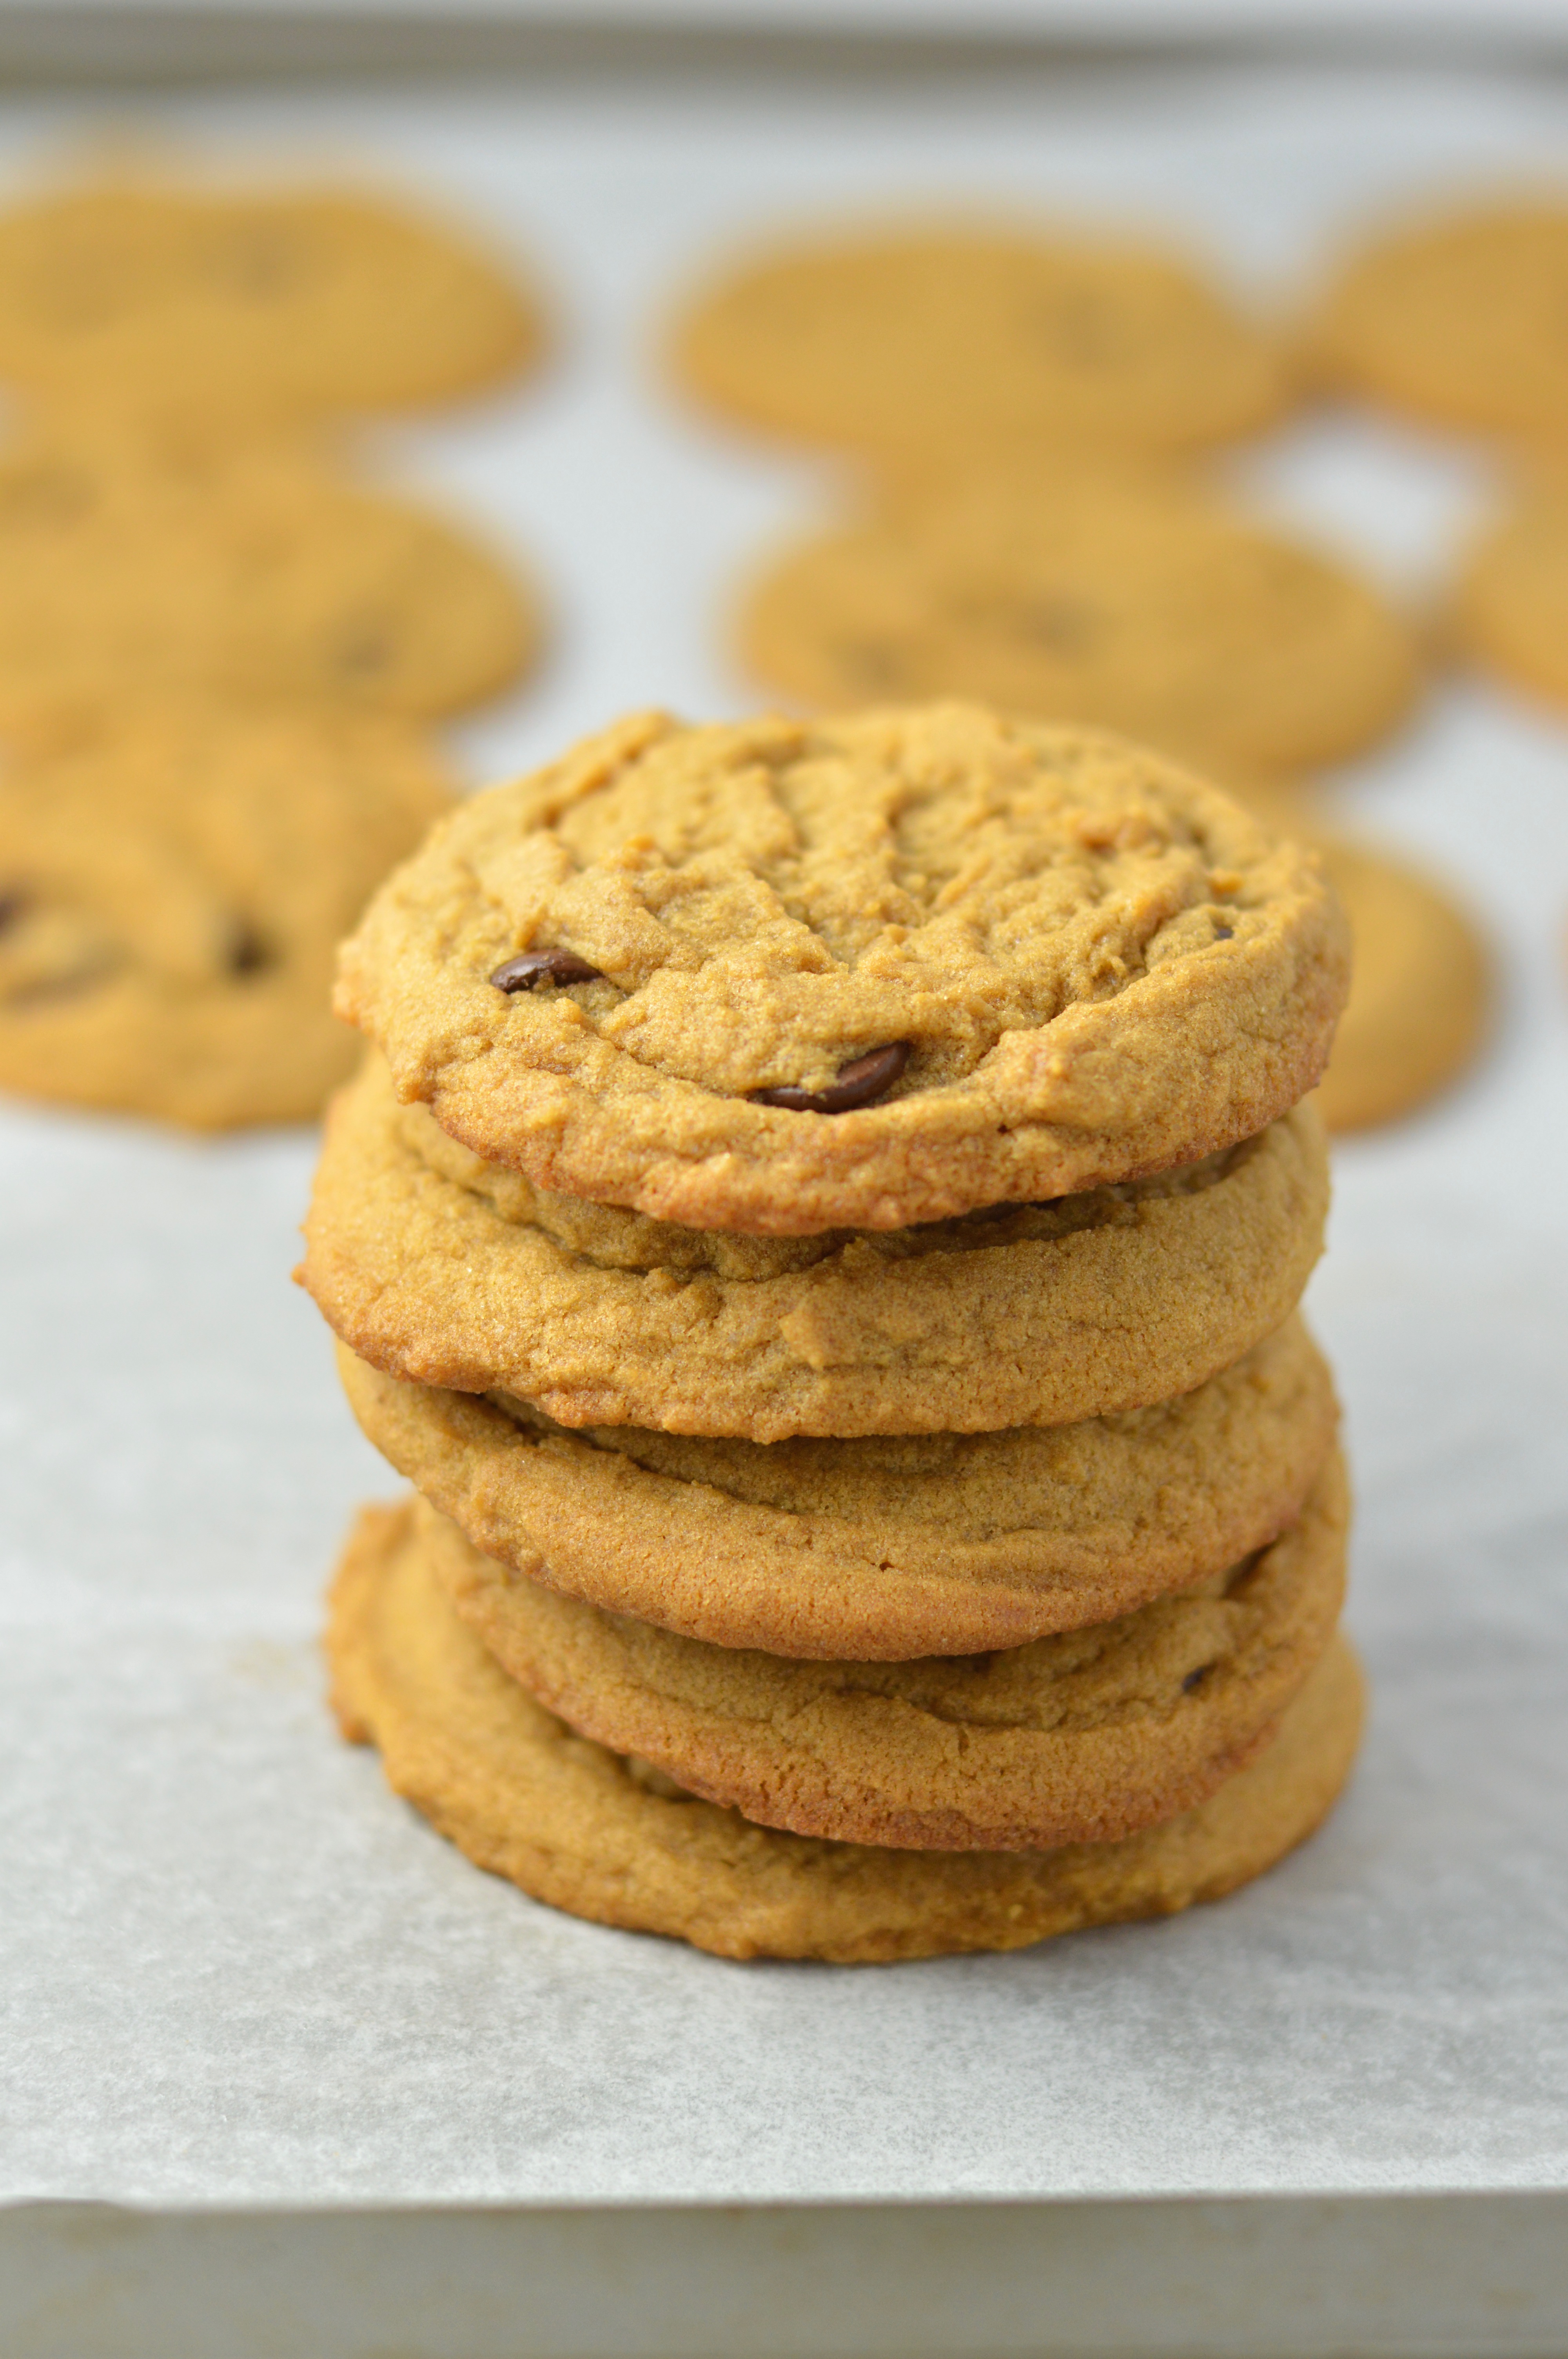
pixel 235 1970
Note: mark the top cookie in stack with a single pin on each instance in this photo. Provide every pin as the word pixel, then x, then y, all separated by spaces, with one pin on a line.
pixel 832 1198
pixel 785 977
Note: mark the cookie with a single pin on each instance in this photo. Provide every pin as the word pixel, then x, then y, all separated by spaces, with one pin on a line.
pixel 880 1549
pixel 1509 608
pixel 1089 596
pixel 172 884
pixel 436 1267
pixel 1422 987
pixel 127 565
pixel 1081 1737
pixel 786 976
pixel 907 337
pixel 248 305
pixel 607 1837
pixel 1461 318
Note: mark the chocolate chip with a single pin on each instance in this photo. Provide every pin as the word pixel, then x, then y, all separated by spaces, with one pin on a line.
pixel 533 967
pixel 858 1083
pixel 249 952
pixel 12 905
pixel 1195 1679
pixel 1223 933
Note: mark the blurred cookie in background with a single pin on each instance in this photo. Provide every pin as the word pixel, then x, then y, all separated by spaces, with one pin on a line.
pixel 151 292
pixel 1118 599
pixel 1423 1001
pixel 904 337
pixel 173 882
pixel 1459 318
pixel 131 563
pixel 1510 606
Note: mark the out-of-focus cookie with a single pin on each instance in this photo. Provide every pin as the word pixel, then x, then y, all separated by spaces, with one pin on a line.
pixel 245 306
pixel 1082 1737
pixel 446 1270
pixel 877 1550
pixel 127 566
pixel 1084 596
pixel 779 977
pixel 911 337
pixel 1461 318
pixel 1509 608
pixel 1422 990
pixel 1422 987
pixel 173 881
pixel 610 1838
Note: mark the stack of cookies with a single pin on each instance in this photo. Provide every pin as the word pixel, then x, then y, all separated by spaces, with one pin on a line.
pixel 218 656
pixel 822 1230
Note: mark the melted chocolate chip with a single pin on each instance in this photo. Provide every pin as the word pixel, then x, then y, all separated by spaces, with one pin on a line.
pixel 1195 1678
pixel 534 967
pixel 859 1083
pixel 12 905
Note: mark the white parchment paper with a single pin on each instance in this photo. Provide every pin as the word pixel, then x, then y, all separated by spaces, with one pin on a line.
pixel 232 1968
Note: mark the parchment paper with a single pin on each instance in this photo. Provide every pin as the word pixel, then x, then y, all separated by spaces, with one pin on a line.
pixel 234 1968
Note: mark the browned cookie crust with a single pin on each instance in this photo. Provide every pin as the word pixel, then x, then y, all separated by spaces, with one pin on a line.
pixel 173 881
pixel 1082 1737
pixel 441 1268
pixel 877 1549
pixel 902 338
pixel 606 1838
pixel 859 973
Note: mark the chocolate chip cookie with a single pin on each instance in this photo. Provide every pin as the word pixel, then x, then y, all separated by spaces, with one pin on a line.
pixel 900 337
pixel 437 1267
pixel 246 305
pixel 1461 318
pixel 173 879
pixel 1080 1737
pixel 1080 594
pixel 860 973
pixel 880 1549
pixel 129 563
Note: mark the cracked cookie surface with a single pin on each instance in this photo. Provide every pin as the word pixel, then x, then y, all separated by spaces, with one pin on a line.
pixel 1095 967
pixel 173 881
pixel 606 1838
pixel 878 1549
pixel 437 1267
pixel 897 338
pixel 1081 1737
